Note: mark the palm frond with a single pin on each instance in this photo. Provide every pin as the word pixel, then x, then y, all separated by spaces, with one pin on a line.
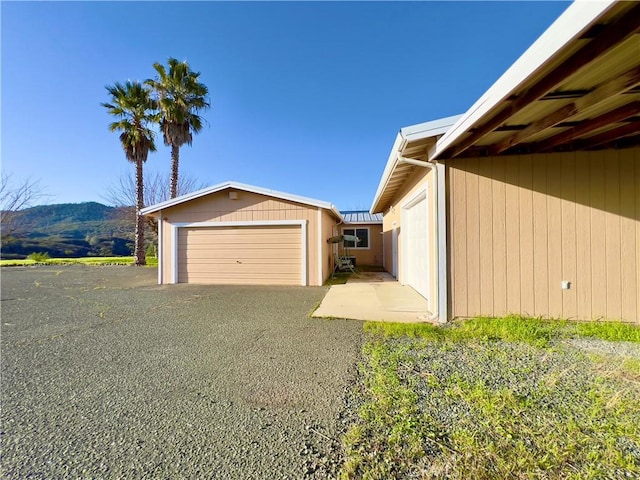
pixel 132 105
pixel 180 98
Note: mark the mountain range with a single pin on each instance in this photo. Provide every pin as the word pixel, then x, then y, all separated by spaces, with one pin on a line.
pixel 70 230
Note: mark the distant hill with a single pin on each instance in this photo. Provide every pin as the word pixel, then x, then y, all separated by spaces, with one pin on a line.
pixel 71 230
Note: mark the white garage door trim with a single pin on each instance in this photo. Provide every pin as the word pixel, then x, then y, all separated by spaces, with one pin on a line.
pixel 407 262
pixel 265 223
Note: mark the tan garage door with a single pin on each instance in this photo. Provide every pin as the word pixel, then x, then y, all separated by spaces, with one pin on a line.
pixel 240 255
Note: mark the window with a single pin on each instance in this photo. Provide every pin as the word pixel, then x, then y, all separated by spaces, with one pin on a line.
pixel 361 233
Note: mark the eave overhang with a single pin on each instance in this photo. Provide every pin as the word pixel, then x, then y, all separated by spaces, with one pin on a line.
pixel 413 142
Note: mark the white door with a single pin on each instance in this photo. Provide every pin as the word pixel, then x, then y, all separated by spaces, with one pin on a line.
pixel 416 245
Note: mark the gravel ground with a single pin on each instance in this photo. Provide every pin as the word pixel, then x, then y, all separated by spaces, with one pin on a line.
pixel 107 375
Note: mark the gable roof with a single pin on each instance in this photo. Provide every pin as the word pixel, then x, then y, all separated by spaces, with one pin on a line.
pixel 360 216
pixel 411 141
pixel 575 88
pixel 244 187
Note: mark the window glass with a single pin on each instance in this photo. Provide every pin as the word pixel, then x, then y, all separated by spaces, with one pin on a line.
pixel 361 233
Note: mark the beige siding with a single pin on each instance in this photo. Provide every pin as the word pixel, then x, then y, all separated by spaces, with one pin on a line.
pixel 373 254
pixel 520 225
pixel 240 255
pixel 248 207
pixel 328 230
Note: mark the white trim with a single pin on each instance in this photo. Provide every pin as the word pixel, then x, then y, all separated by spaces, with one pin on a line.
pixel 578 17
pixel 247 223
pixel 304 246
pixel 174 254
pixel 257 223
pixel 247 188
pixel 160 249
pixel 355 232
pixel 363 223
pixel 441 219
pixel 320 243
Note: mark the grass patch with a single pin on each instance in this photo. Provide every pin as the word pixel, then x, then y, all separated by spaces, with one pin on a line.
pixel 613 331
pixel 151 261
pixel 339 278
pixel 496 398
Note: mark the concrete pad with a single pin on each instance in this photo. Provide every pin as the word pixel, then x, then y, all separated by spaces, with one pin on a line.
pixel 380 298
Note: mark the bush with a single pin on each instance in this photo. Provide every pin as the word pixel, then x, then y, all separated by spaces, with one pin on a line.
pixel 39 257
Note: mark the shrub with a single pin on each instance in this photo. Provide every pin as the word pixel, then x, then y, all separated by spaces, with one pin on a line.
pixel 39 257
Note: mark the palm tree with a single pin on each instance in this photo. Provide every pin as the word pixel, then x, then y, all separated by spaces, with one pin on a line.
pixel 133 107
pixel 181 97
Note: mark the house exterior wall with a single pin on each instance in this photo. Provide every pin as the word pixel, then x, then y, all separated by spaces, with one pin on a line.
pixel 520 225
pixel 217 207
pixel 373 254
pixel 392 217
pixel 328 231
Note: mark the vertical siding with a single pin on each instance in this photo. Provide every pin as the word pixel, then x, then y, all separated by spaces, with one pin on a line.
pixel 554 236
pixel 512 219
pixel 520 225
pixel 597 236
pixel 569 240
pixel 328 231
pixel 458 256
pixel 540 238
pixel 499 239
pixel 485 234
pixel 630 245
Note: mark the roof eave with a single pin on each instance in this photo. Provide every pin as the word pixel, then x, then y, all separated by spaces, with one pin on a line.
pixel 405 136
pixel 579 16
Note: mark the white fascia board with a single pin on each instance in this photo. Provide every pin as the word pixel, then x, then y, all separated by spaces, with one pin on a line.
pixel 429 129
pixel 408 134
pixel 578 17
pixel 376 222
pixel 392 161
pixel 245 187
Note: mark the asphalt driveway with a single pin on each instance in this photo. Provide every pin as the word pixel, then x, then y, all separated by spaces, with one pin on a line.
pixel 107 375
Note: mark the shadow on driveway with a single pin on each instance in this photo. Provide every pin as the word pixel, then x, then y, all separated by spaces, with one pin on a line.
pixel 106 374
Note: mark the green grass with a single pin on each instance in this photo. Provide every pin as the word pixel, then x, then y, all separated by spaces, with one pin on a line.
pixel 514 328
pixel 339 278
pixel 614 331
pixel 495 398
pixel 151 261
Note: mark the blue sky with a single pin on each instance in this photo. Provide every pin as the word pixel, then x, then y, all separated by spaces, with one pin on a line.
pixel 307 97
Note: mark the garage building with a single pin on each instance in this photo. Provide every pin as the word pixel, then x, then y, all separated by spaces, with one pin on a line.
pixel 233 233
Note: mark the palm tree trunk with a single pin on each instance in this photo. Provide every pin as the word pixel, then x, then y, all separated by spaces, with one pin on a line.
pixel 139 253
pixel 175 159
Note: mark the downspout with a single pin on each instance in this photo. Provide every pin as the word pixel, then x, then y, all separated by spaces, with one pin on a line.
pixel 439 200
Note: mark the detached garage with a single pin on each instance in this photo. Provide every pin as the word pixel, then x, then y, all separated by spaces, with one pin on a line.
pixel 232 233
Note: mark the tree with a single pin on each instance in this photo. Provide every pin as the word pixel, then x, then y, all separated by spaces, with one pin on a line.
pixel 180 97
pixel 122 192
pixel 133 107
pixel 14 196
